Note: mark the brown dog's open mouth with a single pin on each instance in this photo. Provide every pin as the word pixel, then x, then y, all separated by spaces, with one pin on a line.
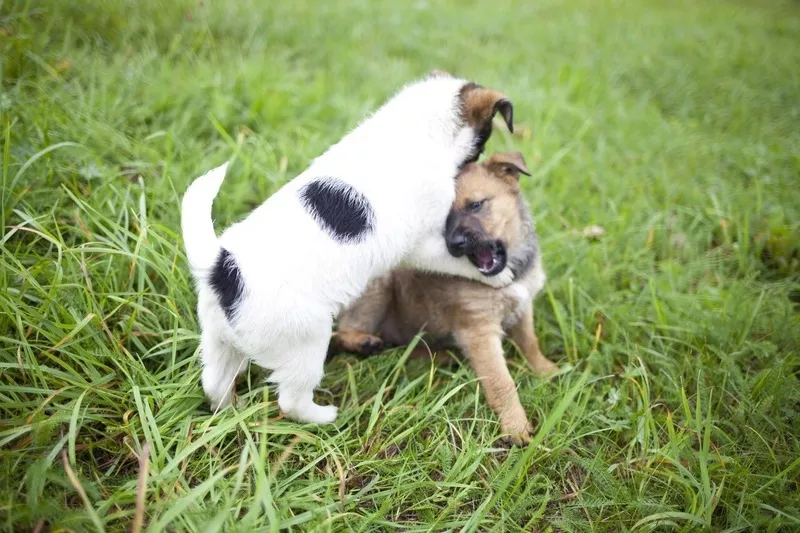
pixel 488 257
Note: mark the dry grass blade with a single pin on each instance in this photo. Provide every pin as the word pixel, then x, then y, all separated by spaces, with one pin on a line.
pixel 141 488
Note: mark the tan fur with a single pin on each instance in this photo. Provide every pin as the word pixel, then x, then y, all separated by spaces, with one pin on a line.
pixel 439 74
pixel 480 105
pixel 483 182
pixel 453 311
pixel 507 166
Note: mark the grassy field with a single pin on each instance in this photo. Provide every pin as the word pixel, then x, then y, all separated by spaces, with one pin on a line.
pixel 671 125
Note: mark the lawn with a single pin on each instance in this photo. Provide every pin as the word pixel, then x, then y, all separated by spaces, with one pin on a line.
pixel 673 126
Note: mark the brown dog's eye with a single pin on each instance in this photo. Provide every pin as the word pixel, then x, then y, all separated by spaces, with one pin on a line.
pixel 474 207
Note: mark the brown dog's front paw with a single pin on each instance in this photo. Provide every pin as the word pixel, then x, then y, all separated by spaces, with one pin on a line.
pixel 544 367
pixel 358 342
pixel 518 435
pixel 520 439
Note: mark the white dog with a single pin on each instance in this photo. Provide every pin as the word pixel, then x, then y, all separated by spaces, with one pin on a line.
pixel 271 285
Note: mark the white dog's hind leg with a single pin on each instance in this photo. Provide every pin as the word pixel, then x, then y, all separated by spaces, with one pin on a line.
pixel 222 363
pixel 297 380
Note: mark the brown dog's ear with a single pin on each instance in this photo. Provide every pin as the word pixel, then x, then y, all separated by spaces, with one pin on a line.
pixel 439 74
pixel 508 163
pixel 481 105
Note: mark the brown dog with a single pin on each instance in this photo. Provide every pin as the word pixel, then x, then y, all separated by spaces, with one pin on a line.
pixel 490 223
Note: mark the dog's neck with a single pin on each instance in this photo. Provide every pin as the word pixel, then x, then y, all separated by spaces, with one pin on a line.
pixel 524 254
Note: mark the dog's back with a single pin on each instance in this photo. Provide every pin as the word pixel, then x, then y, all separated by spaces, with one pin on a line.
pixel 269 286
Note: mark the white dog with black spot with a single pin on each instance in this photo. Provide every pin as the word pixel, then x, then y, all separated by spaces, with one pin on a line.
pixel 270 286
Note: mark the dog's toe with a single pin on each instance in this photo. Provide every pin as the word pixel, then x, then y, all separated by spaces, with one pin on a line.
pixel 324 414
pixel 544 368
pixel 370 345
pixel 518 439
pixel 357 342
pixel 313 414
pixel 518 434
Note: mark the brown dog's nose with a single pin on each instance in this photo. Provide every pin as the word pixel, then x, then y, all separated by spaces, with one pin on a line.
pixel 457 244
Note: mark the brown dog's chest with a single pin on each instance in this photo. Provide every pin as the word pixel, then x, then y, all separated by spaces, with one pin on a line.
pixel 441 306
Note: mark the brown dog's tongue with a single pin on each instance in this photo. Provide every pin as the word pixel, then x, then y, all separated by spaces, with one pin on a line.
pixel 484 258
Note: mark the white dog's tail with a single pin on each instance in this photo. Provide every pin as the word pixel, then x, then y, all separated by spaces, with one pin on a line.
pixel 199 237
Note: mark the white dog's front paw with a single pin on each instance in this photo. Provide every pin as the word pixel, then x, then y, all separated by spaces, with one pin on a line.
pixel 321 414
pixel 314 414
pixel 503 279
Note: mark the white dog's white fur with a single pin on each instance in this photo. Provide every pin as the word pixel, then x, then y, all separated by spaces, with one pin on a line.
pixel 295 277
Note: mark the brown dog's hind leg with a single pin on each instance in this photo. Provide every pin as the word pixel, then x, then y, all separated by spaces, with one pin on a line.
pixel 359 323
pixel 524 337
pixel 353 341
pixel 484 349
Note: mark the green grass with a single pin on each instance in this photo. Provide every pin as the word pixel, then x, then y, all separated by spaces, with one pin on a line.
pixel 672 125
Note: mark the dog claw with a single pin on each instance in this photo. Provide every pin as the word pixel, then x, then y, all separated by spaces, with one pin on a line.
pixel 543 367
pixel 356 342
pixel 370 345
pixel 520 439
pixel 516 437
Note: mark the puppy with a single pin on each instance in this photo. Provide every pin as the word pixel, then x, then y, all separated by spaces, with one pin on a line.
pixel 490 224
pixel 270 285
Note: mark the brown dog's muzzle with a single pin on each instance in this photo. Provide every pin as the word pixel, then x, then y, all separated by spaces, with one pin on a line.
pixel 461 231
pixel 465 235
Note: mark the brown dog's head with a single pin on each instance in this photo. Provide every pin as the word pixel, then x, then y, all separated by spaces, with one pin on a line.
pixel 486 218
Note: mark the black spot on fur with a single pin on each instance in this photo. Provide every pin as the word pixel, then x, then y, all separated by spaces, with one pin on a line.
pixel 226 280
pixel 342 211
